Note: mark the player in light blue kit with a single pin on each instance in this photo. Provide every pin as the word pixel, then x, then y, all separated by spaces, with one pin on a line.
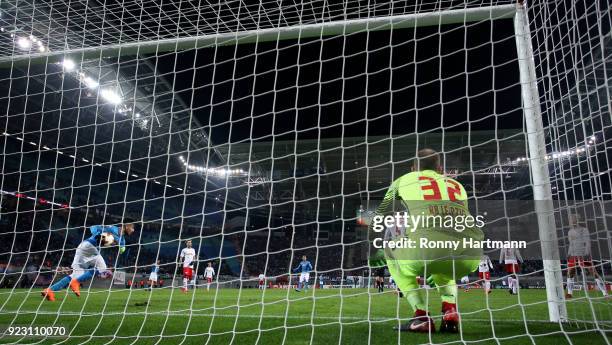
pixel 304 268
pixel 87 259
pixel 153 275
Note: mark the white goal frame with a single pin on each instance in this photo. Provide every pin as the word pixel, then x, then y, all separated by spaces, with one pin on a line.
pixel 529 93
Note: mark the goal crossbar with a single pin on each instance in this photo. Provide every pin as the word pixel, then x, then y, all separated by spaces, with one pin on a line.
pixel 331 28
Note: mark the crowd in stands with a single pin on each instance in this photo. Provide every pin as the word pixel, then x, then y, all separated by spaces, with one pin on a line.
pixel 36 240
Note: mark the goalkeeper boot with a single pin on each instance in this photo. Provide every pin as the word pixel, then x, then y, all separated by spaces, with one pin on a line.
pixel 450 318
pixel 75 286
pixel 48 294
pixel 420 323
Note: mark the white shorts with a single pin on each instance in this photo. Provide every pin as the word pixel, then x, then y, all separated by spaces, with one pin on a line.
pixel 153 277
pixel 85 258
pixel 304 277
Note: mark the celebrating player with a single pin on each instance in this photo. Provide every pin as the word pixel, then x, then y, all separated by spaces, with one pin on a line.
pixel 188 256
pixel 426 192
pixel 511 257
pixel 304 267
pixel 262 281
pixel 153 275
pixel 87 260
pixel 209 274
pixel 579 253
pixel 484 272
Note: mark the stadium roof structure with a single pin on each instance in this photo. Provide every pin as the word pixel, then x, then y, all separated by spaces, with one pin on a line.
pixel 336 168
pixel 155 125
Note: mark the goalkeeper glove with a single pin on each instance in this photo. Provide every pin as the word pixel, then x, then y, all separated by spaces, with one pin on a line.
pixel 378 259
pixel 121 250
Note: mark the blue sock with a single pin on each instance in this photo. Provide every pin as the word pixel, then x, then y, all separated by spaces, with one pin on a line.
pixel 61 284
pixel 299 285
pixel 85 276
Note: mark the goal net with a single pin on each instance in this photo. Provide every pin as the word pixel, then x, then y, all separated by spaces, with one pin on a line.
pixel 253 147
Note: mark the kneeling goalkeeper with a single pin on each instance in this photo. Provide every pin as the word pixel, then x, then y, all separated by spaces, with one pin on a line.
pixel 426 193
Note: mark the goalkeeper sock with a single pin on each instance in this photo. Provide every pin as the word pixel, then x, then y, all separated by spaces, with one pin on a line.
pixel 85 276
pixel 61 284
pixel 514 286
pixel 185 282
pixel 570 285
pixel 601 286
pixel 305 285
pixel 487 285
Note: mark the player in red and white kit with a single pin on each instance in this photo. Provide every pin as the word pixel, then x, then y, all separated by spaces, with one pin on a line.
pixel 262 281
pixel 188 256
pixel 511 257
pixel 579 254
pixel 484 272
pixel 209 274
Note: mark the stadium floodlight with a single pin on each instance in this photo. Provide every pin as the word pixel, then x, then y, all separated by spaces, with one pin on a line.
pixel 24 43
pixel 90 83
pixel 111 96
pixel 69 65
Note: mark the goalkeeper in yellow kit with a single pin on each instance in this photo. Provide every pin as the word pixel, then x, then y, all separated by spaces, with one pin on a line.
pixel 427 193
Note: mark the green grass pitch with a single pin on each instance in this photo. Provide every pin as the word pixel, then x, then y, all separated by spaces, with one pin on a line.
pixel 329 316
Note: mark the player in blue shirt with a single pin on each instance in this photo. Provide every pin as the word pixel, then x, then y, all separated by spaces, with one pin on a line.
pixel 87 259
pixel 304 268
pixel 153 275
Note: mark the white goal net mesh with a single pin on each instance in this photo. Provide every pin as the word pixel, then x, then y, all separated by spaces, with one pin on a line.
pixel 263 132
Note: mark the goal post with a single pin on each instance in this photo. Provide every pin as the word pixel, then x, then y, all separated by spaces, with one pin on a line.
pixel 538 164
pixel 341 27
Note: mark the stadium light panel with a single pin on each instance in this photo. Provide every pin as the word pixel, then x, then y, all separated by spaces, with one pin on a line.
pixel 90 83
pixel 111 96
pixel 69 65
pixel 24 43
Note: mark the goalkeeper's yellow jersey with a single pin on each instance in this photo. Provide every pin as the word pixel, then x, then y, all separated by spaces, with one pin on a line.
pixel 424 188
pixel 426 193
